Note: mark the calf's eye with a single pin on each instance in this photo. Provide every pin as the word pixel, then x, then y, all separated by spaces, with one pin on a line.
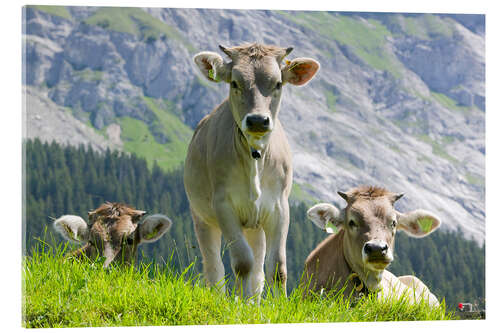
pixel 234 85
pixel 278 85
pixel 352 224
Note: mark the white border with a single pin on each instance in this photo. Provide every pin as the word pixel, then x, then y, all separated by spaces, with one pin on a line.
pixel 11 149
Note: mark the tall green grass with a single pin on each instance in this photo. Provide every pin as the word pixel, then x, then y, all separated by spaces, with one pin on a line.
pixel 61 292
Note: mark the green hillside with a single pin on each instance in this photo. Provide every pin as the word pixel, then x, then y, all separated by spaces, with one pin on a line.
pixel 135 21
pixel 366 40
pixel 138 139
pixel 60 11
pixel 141 139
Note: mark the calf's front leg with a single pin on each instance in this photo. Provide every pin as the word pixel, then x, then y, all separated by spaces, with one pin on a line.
pixel 276 232
pixel 209 239
pixel 240 253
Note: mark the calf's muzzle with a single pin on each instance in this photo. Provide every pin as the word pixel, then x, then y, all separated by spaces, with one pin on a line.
pixel 378 249
pixel 256 123
pixel 377 254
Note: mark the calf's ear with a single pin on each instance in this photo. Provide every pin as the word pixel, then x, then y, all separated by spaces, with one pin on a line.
pixel 326 217
pixel 137 215
pixel 212 66
pixel 153 227
pixel 72 228
pixel 418 223
pixel 299 71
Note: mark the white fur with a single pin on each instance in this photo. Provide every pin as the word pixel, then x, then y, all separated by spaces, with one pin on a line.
pixel 405 286
pixel 331 214
pixel 150 223
pixel 71 227
pixel 255 190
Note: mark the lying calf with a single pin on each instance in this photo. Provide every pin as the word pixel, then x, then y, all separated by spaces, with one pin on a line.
pixel 113 231
pixel 357 255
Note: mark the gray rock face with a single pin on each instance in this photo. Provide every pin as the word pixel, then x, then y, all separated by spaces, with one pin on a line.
pixel 50 122
pixel 399 100
pixel 457 68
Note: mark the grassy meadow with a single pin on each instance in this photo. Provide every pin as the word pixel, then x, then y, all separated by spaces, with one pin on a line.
pixel 61 292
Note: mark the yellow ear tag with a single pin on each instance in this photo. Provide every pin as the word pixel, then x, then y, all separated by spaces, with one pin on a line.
pixel 151 235
pixel 71 233
pixel 331 228
pixel 212 75
pixel 425 224
pixel 288 63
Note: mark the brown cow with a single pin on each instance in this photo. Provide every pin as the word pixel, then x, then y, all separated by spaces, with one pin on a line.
pixel 114 231
pixel 238 171
pixel 358 254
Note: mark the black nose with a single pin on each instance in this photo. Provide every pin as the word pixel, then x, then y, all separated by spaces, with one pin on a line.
pixel 258 123
pixel 375 248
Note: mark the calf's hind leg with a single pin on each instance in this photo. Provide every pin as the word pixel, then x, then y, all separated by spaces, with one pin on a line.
pixel 209 240
pixel 418 289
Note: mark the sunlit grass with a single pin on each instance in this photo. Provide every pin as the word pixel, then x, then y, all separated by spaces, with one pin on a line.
pixel 60 292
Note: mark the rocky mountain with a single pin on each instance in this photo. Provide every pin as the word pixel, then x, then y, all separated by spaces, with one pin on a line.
pixel 399 100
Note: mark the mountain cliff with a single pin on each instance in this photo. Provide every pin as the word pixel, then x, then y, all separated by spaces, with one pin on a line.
pixel 399 100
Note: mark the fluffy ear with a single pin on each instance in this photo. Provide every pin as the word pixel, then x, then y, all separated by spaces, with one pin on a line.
pixel 212 66
pixel 153 227
pixel 137 215
pixel 418 223
pixel 325 216
pixel 72 227
pixel 299 71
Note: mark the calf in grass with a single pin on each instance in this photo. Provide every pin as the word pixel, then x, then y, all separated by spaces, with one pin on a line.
pixel 357 255
pixel 238 171
pixel 114 231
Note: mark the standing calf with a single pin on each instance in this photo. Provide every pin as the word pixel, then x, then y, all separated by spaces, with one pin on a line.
pixel 113 231
pixel 238 171
pixel 357 256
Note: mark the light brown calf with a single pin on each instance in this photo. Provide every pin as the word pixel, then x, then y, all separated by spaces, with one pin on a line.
pixel 357 255
pixel 238 171
pixel 113 231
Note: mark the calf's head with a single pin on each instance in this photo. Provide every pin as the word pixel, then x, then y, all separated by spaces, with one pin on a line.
pixel 256 76
pixel 370 222
pixel 114 231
